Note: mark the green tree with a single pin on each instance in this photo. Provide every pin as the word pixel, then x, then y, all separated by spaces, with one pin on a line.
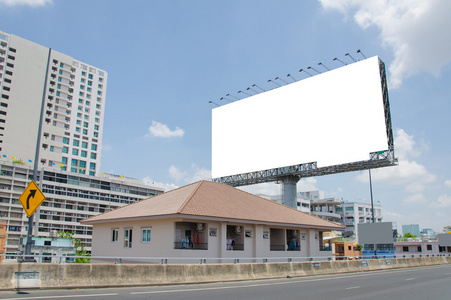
pixel 409 235
pixel 80 249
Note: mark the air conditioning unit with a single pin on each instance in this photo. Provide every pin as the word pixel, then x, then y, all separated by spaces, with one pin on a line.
pixel 238 229
pixel 53 234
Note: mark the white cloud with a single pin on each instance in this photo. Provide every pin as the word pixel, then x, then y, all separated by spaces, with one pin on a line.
pixel 175 173
pixel 416 30
pixel 26 2
pixel 107 147
pixel 199 174
pixel 448 183
pixel 414 199
pixel 270 189
pixel 158 129
pixel 306 185
pixel 412 174
pixel 167 186
pixel 443 201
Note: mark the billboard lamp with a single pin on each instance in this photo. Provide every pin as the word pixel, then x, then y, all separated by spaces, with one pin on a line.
pixel 232 96
pixel 289 75
pixel 252 90
pixel 214 103
pixel 259 87
pixel 223 98
pixel 358 51
pixel 274 82
pixel 321 64
pixel 341 61
pixel 347 54
pixel 281 79
pixel 305 72
pixel 244 93
pixel 314 70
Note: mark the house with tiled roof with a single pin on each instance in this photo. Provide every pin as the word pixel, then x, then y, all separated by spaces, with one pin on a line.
pixel 208 220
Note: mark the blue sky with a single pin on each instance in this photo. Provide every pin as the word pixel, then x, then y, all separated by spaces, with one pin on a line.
pixel 167 59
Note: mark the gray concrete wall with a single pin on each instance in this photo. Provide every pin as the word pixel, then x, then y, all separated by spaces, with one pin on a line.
pixel 37 275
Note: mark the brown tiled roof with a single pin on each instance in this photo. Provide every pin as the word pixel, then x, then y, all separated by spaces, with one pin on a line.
pixel 211 199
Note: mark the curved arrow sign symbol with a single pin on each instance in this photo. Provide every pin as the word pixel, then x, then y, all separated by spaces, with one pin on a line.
pixel 31 195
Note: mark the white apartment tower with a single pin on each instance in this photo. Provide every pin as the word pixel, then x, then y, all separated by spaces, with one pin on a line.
pixel 72 96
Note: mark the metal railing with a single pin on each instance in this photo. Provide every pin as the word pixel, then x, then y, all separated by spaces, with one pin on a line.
pixel 59 259
pixel 191 246
pixel 235 247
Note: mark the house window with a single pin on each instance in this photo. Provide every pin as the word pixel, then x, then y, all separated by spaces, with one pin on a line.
pixel 405 249
pixel 146 235
pixel 128 233
pixel 419 248
pixel 429 247
pixel 115 235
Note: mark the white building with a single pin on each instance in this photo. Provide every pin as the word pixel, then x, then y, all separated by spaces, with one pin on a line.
pixel 69 198
pixel 71 95
pixel 208 220
pixel 302 203
pixel 354 213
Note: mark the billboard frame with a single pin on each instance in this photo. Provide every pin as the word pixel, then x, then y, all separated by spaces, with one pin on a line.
pixel 379 159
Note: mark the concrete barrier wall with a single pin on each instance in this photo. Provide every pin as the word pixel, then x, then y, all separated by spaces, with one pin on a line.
pixel 38 275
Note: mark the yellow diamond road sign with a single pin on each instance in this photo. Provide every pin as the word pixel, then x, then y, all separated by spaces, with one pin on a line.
pixel 31 198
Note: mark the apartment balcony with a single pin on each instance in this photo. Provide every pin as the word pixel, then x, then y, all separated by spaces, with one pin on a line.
pixel 327 215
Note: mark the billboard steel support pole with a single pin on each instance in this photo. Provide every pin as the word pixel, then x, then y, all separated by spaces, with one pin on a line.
pixel 290 191
pixel 35 168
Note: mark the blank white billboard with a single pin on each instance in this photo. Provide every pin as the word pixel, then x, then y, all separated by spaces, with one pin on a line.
pixel 333 118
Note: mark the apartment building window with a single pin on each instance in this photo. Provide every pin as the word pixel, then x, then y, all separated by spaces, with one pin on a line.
pixel 9 73
pixel 90 76
pixel 85 125
pixel 66 140
pixel 82 87
pixel 92 166
pixel 115 235
pixel 76 143
pixel 96 127
pixel 94 147
pixel 74 162
pixel 83 74
pixel 146 235
pixel 81 171
pixel 350 208
pixel 90 82
pixel 100 79
pixel 84 145
pixel 85 131
pixel 73 170
pixel 74 151
pixel 11 57
pixel 78 122
pixel 12 49
pixel 83 153
pixel 7 80
pixel 52 149
pixel 92 173
pixel 96 134
pixel 5 96
pixel 64 160
pixel 419 249
pixel 88 103
pixel 93 156
pixel 65 150
pixel 128 238
pixel 82 164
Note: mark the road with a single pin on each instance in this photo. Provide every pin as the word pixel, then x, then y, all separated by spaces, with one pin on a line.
pixel 432 282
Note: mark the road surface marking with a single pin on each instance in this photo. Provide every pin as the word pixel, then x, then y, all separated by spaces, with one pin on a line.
pixel 353 287
pixel 64 296
pixel 410 279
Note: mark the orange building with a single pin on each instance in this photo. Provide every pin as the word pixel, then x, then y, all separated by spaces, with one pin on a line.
pixel 2 239
pixel 346 249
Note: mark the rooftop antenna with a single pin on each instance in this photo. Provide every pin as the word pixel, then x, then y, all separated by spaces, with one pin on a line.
pixel 305 72
pixel 321 64
pixel 358 51
pixel 252 90
pixel 259 87
pixel 341 61
pixel 274 82
pixel 289 75
pixel 232 96
pixel 224 98
pixel 244 93
pixel 314 70
pixel 281 79
pixel 214 103
pixel 347 54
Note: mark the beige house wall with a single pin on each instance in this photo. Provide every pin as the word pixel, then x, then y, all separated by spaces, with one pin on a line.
pixel 164 236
